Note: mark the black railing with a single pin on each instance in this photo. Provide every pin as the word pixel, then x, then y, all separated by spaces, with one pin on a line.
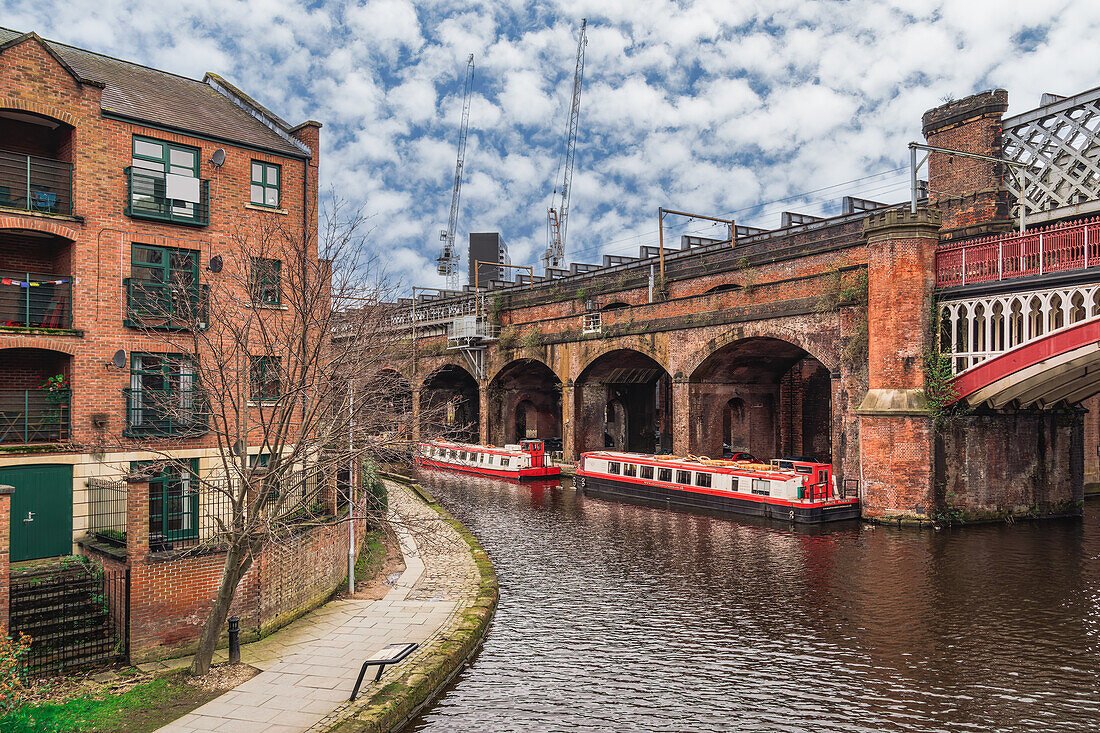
pixel 105 506
pixel 165 412
pixel 34 416
pixel 147 198
pixel 37 184
pixel 168 306
pixel 32 299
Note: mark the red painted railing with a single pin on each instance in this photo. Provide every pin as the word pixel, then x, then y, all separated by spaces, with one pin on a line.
pixel 1050 249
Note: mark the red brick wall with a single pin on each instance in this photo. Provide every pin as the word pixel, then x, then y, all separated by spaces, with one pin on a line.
pixel 29 368
pixel 896 465
pixel 969 193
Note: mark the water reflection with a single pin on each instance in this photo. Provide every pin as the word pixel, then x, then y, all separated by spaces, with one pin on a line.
pixel 616 616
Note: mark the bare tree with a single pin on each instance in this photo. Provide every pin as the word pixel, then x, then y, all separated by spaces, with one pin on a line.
pixel 287 351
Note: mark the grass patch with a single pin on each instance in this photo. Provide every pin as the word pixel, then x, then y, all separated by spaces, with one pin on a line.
pixel 371 556
pixel 144 707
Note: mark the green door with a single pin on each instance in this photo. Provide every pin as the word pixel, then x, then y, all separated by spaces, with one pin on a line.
pixel 41 510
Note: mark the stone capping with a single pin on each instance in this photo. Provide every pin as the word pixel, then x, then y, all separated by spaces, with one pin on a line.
pixel 5 489
pixel 877 223
pixel 436 664
pixel 993 102
pixel 894 403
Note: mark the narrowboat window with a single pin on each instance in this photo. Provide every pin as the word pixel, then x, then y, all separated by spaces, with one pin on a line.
pixel 702 479
pixel 761 487
pixel 647 472
pixel 664 474
pixel 683 477
pixel 491 459
pixel 803 469
pixel 462 455
pixel 733 483
pixel 629 469
pixel 504 461
pixel 612 467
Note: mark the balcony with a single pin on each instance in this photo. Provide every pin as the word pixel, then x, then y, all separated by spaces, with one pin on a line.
pixel 165 412
pixel 34 416
pixel 166 306
pixel 147 198
pixel 32 183
pixel 35 300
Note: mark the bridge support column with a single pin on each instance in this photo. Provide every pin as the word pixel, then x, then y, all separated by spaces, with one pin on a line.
pixel 568 423
pixel 416 414
pixel 483 412
pixel 681 407
pixel 895 425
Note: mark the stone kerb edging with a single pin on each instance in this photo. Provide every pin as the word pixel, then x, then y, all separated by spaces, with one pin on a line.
pixel 420 683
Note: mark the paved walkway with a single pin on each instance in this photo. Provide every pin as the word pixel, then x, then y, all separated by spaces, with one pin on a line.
pixel 309 668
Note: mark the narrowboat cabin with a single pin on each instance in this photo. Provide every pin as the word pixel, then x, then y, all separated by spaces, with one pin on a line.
pixel 793 490
pixel 523 461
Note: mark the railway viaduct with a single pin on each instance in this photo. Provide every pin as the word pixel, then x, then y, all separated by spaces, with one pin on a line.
pixel 818 338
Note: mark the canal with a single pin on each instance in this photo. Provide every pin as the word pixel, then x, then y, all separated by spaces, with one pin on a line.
pixel 615 617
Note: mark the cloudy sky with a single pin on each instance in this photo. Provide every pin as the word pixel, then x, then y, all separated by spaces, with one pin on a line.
pixel 722 107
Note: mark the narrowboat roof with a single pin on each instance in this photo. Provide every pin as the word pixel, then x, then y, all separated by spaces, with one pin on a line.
pixel 694 463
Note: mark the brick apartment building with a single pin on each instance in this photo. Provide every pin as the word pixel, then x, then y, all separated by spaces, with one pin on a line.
pixel 119 184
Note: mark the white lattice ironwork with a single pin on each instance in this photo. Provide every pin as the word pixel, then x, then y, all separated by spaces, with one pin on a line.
pixel 975 329
pixel 1058 143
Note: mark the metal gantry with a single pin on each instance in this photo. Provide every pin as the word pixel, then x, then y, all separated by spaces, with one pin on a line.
pixel 1057 144
pixel 448 262
pixel 557 218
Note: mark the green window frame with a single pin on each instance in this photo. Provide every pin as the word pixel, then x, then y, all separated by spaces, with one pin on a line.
pixel 173 499
pixel 163 396
pixel 264 378
pixel 265 281
pixel 266 182
pixel 164 265
pixel 151 161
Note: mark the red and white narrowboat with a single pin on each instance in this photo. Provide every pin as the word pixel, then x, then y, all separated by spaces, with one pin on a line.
pixel 524 461
pixel 794 490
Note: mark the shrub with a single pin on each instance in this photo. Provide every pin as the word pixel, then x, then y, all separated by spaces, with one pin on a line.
pixel 508 340
pixel 532 339
pixel 13 668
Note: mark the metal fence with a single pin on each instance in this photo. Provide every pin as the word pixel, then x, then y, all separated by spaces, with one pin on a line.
pixel 105 510
pixel 165 412
pixel 31 183
pixel 35 300
pixel 34 416
pixel 147 194
pixel 76 615
pixel 166 306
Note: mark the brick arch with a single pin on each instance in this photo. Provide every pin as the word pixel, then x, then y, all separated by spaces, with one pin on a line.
pixel 505 364
pixel 38 342
pixel 622 344
pixel 54 113
pixel 39 225
pixel 423 377
pixel 697 359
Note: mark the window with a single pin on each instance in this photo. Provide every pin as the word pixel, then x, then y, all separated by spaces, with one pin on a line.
pixel 163 398
pixel 263 460
pixel 491 459
pixel 592 323
pixel 683 477
pixel 264 283
pixel 265 378
pixel 647 472
pixel 173 501
pixel 504 461
pixel 163 289
pixel 164 181
pixel 629 469
pixel 664 474
pixel 733 483
pixel 612 467
pixel 462 455
pixel 702 479
pixel 265 184
pixel 761 487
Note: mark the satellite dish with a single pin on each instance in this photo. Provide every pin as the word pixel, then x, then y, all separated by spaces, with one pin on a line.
pixel 218 158
pixel 215 264
pixel 118 361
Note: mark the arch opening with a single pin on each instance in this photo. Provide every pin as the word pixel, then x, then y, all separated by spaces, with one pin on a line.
pixel 525 402
pixel 449 405
pixel 763 396
pixel 624 402
pixel 34 395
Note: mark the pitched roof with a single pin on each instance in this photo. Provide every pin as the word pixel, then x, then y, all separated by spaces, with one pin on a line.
pixel 161 98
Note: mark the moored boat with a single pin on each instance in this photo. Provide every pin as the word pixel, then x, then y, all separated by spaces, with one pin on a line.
pixel 794 490
pixel 523 461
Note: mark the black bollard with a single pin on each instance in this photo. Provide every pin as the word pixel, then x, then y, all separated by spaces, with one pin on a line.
pixel 234 640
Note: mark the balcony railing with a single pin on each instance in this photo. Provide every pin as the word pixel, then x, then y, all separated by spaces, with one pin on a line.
pixel 165 412
pixel 35 300
pixel 34 416
pixel 147 198
pixel 37 184
pixel 165 305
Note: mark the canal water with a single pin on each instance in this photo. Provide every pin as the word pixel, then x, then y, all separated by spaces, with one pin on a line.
pixel 616 617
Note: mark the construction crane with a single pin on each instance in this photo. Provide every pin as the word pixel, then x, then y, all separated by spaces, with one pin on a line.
pixel 448 261
pixel 557 217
